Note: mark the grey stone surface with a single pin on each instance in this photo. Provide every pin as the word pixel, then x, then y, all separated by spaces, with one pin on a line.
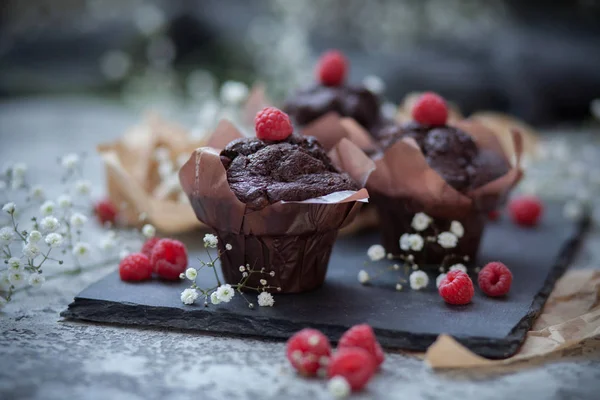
pixel 42 357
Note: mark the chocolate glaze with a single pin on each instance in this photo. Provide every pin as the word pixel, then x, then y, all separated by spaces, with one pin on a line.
pixel 264 172
pixel 357 102
pixel 451 152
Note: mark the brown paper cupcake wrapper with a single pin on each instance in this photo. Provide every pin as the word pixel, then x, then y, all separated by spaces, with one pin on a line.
pixel 262 235
pixel 132 175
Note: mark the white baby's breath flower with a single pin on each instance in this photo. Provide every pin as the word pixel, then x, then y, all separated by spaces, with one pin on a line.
pixel 6 236
pixel 14 264
pixel 233 93
pixel 54 240
pixel 189 296
pixel 214 298
pixel 9 208
pixel 242 268
pixel 225 293
pixel 374 84
pixel 34 237
pixel 36 279
pixel 458 267
pixel 191 274
pixel 4 282
pixel 263 282
pixel 70 161
pixel 64 201
pixel 210 240
pixel 47 208
pixel 149 231
pixel 37 193
pixel 31 251
pixel 439 280
pixel 416 242
pixel 266 299
pixel 83 187
pixel 405 241
pixel 363 276
pixel 447 240
pixel 17 278
pixel 49 224
pixel 228 247
pixel 398 286
pixel 339 387
pixel 81 250
pixel 418 280
pixel 457 228
pixel 77 220
pixel 376 252
pixel 420 221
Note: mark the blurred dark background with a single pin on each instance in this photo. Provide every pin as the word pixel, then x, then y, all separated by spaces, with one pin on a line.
pixel 539 60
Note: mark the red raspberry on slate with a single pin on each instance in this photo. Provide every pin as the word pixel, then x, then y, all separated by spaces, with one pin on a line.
pixel 169 258
pixel 363 336
pixel 332 68
pixel 526 210
pixel 494 215
pixel 308 351
pixel 149 245
pixel 356 365
pixel 272 124
pixel 105 211
pixel 457 288
pixel 430 109
pixel 495 279
pixel 135 267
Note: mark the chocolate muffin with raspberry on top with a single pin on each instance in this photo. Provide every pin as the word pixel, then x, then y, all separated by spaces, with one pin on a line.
pixel 331 94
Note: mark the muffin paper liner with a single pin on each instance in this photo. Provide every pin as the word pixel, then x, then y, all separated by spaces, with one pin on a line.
pixel 293 239
pixel 133 181
pixel 402 184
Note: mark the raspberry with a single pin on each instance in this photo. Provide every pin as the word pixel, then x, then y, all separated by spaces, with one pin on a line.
pixel 494 215
pixel 169 258
pixel 430 109
pixel 105 211
pixel 495 279
pixel 308 351
pixel 135 267
pixel 526 210
pixel 149 245
pixel 456 288
pixel 362 336
pixel 356 365
pixel 272 124
pixel 332 68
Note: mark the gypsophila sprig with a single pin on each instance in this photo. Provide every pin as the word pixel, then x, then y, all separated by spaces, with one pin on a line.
pixel 426 236
pixel 38 233
pixel 210 241
pixel 222 293
pixel 376 252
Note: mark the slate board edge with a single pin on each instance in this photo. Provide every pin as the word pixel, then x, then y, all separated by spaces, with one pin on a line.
pixel 124 314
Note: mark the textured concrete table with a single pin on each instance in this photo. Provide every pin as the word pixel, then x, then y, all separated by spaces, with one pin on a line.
pixel 43 357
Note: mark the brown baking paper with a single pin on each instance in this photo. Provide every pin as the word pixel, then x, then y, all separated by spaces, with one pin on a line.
pixel 568 325
pixel 133 180
pixel 293 239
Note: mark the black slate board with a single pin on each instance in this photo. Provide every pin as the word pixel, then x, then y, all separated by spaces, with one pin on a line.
pixel 410 320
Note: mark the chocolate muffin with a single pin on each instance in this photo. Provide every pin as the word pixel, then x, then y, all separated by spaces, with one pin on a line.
pixel 356 102
pixel 455 156
pixel 263 197
pixel 263 172
pixel 451 152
